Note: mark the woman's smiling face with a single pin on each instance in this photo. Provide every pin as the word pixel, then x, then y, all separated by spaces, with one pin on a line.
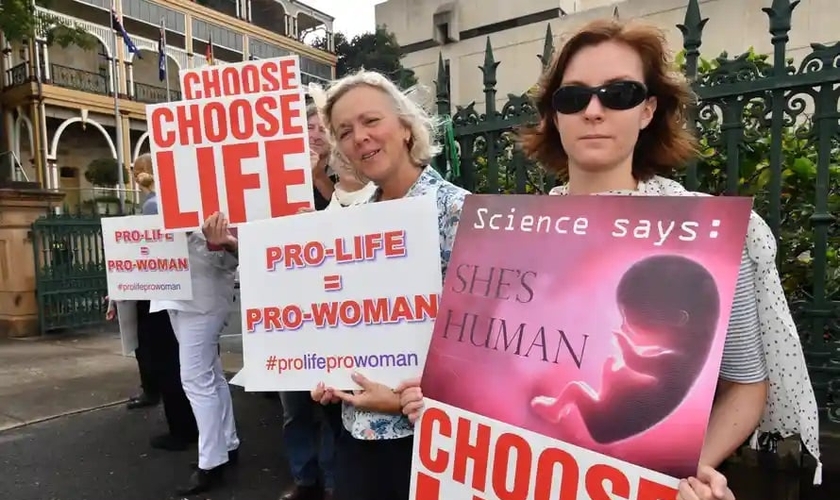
pixel 369 132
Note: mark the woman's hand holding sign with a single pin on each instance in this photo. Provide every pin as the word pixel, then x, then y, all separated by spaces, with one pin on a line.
pixel 411 399
pixel 111 313
pixel 708 485
pixel 322 394
pixel 216 232
pixel 372 397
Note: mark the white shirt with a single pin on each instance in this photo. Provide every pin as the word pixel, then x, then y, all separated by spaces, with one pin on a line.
pixel 212 275
pixel 342 198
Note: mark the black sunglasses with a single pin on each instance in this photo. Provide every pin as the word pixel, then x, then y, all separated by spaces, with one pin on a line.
pixel 619 96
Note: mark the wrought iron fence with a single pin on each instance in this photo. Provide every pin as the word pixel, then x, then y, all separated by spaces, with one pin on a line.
pixel 151 94
pixel 79 79
pixel 17 75
pixel 770 130
pixel 70 279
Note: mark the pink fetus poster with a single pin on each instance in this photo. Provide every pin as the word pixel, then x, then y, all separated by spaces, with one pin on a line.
pixel 595 321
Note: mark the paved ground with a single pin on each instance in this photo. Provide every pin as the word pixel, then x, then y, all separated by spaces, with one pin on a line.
pixel 104 454
pixel 65 434
pixel 45 377
pixel 41 378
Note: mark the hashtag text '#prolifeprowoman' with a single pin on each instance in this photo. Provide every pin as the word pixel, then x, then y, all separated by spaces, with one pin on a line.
pixel 329 363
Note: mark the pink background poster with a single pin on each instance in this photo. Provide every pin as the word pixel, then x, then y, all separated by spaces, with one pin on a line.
pixel 595 320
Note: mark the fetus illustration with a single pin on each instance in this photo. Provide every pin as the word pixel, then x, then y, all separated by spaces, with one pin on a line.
pixel 670 308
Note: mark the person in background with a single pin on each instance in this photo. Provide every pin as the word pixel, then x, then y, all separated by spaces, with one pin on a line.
pixel 322 182
pixel 389 139
pixel 309 434
pixel 198 325
pixel 150 394
pixel 157 351
pixel 156 334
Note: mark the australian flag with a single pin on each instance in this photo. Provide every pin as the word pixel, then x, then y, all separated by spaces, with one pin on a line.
pixel 162 53
pixel 118 27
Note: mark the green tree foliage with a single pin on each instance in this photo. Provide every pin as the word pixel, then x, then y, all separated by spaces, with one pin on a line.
pixel 103 172
pixel 377 51
pixel 19 20
pixel 798 183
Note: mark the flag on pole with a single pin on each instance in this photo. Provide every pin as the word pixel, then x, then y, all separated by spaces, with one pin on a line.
pixel 208 53
pixel 162 52
pixel 118 27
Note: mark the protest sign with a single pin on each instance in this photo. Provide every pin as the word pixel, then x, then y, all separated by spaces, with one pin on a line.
pixel 459 454
pixel 328 293
pixel 586 331
pixel 142 262
pixel 241 146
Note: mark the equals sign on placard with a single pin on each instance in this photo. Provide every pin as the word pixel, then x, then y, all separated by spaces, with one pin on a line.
pixel 144 251
pixel 332 283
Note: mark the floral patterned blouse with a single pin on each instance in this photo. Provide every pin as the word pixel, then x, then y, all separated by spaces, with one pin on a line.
pixel 450 200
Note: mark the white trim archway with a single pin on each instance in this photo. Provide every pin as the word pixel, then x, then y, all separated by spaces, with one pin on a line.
pixel 105 46
pixel 21 119
pixel 76 119
pixel 143 138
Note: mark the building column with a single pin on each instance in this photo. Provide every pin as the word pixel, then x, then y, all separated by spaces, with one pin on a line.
pixel 129 83
pixel 110 66
pixel 7 60
pixel 36 60
pixel 188 43
pixel 39 148
pixel 330 36
pixel 52 168
pixel 45 50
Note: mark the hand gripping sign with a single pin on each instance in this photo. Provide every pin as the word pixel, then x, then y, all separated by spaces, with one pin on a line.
pixel 238 144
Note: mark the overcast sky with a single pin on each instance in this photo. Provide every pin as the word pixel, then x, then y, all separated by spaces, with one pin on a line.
pixel 352 17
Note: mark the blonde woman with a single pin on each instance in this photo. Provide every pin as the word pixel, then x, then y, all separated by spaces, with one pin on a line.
pixel 387 138
pixel 157 351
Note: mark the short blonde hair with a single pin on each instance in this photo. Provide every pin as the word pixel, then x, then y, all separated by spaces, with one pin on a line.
pixel 143 171
pixel 423 146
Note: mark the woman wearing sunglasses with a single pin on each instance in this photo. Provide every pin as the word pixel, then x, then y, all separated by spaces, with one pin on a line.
pixel 612 121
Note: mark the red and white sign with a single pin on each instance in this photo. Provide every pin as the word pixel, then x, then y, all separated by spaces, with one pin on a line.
pixel 460 454
pixel 142 262
pixel 237 144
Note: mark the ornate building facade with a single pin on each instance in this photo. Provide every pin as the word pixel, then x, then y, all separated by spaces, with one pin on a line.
pixel 59 112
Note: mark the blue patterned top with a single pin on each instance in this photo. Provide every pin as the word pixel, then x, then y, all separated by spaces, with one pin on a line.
pixel 450 201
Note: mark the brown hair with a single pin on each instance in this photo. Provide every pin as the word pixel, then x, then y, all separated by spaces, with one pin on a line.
pixel 665 144
pixel 143 164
